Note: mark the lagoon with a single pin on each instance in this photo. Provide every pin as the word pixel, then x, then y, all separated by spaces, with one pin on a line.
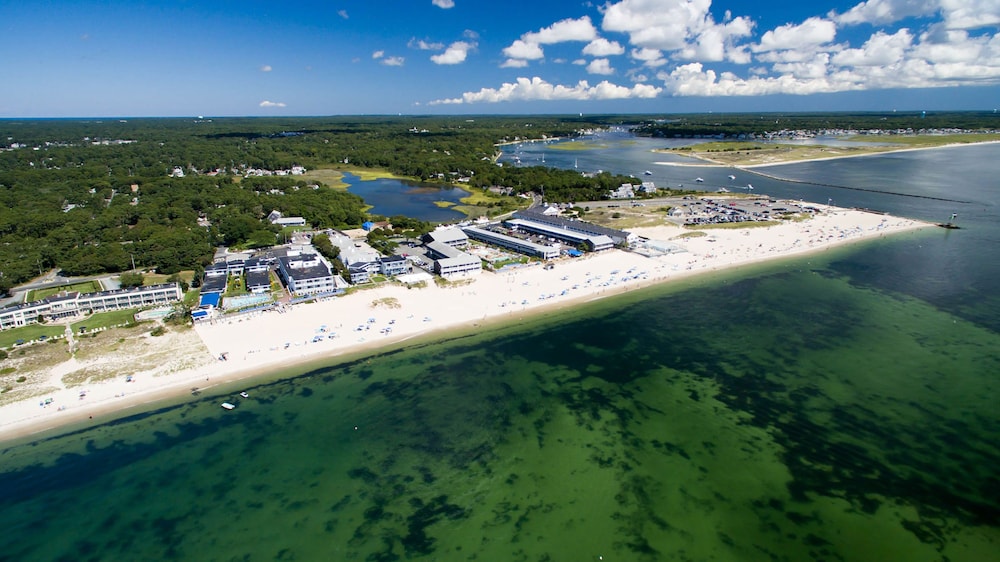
pixel 389 197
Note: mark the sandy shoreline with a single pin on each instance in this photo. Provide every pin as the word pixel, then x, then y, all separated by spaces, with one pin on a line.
pixel 269 341
pixel 709 163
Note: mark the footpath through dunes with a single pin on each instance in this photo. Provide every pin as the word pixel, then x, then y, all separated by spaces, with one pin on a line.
pixel 269 342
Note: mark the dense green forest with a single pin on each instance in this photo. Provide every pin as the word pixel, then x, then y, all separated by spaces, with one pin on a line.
pixel 736 124
pixel 95 196
pixel 89 196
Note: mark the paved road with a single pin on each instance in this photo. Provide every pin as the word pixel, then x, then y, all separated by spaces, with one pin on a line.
pixel 53 279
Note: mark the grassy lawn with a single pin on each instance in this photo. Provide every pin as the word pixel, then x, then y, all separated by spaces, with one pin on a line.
pixel 160 278
pixel 478 196
pixel 695 234
pixel 624 218
pixel 334 177
pixel 733 225
pixel 366 174
pixel 235 287
pixel 106 320
pixel 502 263
pixel 84 287
pixel 328 176
pixel 191 298
pixel 28 333
pixel 929 140
pixel 746 153
pixel 579 145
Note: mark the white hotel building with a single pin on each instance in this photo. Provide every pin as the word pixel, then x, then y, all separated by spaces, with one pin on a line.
pixel 78 304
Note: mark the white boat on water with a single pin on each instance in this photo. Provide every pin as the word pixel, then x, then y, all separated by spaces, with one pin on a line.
pixel 228 406
pixel 244 394
pixel 648 173
pixel 732 177
pixel 749 187
pixel 699 180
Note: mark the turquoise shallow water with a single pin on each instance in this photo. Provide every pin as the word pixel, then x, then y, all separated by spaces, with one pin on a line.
pixel 838 407
pixel 719 422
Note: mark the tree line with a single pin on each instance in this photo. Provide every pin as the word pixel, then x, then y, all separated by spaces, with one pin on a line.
pixel 99 196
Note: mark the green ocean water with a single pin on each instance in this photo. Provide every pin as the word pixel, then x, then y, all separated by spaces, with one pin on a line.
pixel 793 412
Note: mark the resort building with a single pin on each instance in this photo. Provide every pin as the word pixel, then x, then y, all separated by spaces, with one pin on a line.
pixel 593 242
pixel 258 276
pixel 353 252
pixel 360 273
pixel 217 269
pixel 619 237
pixel 525 247
pixel 306 274
pixel 393 265
pixel 624 191
pixel 275 217
pixel 450 261
pixel 77 304
pixel 450 236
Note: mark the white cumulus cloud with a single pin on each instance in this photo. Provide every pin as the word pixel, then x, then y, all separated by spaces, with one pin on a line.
pixel 342 13
pixel 267 103
pixel 533 89
pixel 444 4
pixel 956 14
pixel 601 47
pixel 881 49
pixel 514 63
pixel 886 11
pixel 454 54
pixel 684 28
pixel 804 36
pixel 649 57
pixel 393 61
pixel 901 44
pixel 378 54
pixel 521 49
pixel 423 45
pixel 528 47
pixel 563 30
pixel 265 68
pixel 600 66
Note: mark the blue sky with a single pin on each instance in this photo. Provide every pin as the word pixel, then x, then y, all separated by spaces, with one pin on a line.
pixel 178 58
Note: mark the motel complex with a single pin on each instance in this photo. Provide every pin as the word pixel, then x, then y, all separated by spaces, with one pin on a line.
pixel 298 272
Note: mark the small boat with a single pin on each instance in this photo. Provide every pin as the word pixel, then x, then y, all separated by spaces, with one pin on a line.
pixel 699 180
pixel 648 173
pixel 749 187
pixel 244 394
pixel 732 177
pixel 228 406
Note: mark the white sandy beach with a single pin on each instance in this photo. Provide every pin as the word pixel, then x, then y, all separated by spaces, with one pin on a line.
pixel 267 341
pixel 709 163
